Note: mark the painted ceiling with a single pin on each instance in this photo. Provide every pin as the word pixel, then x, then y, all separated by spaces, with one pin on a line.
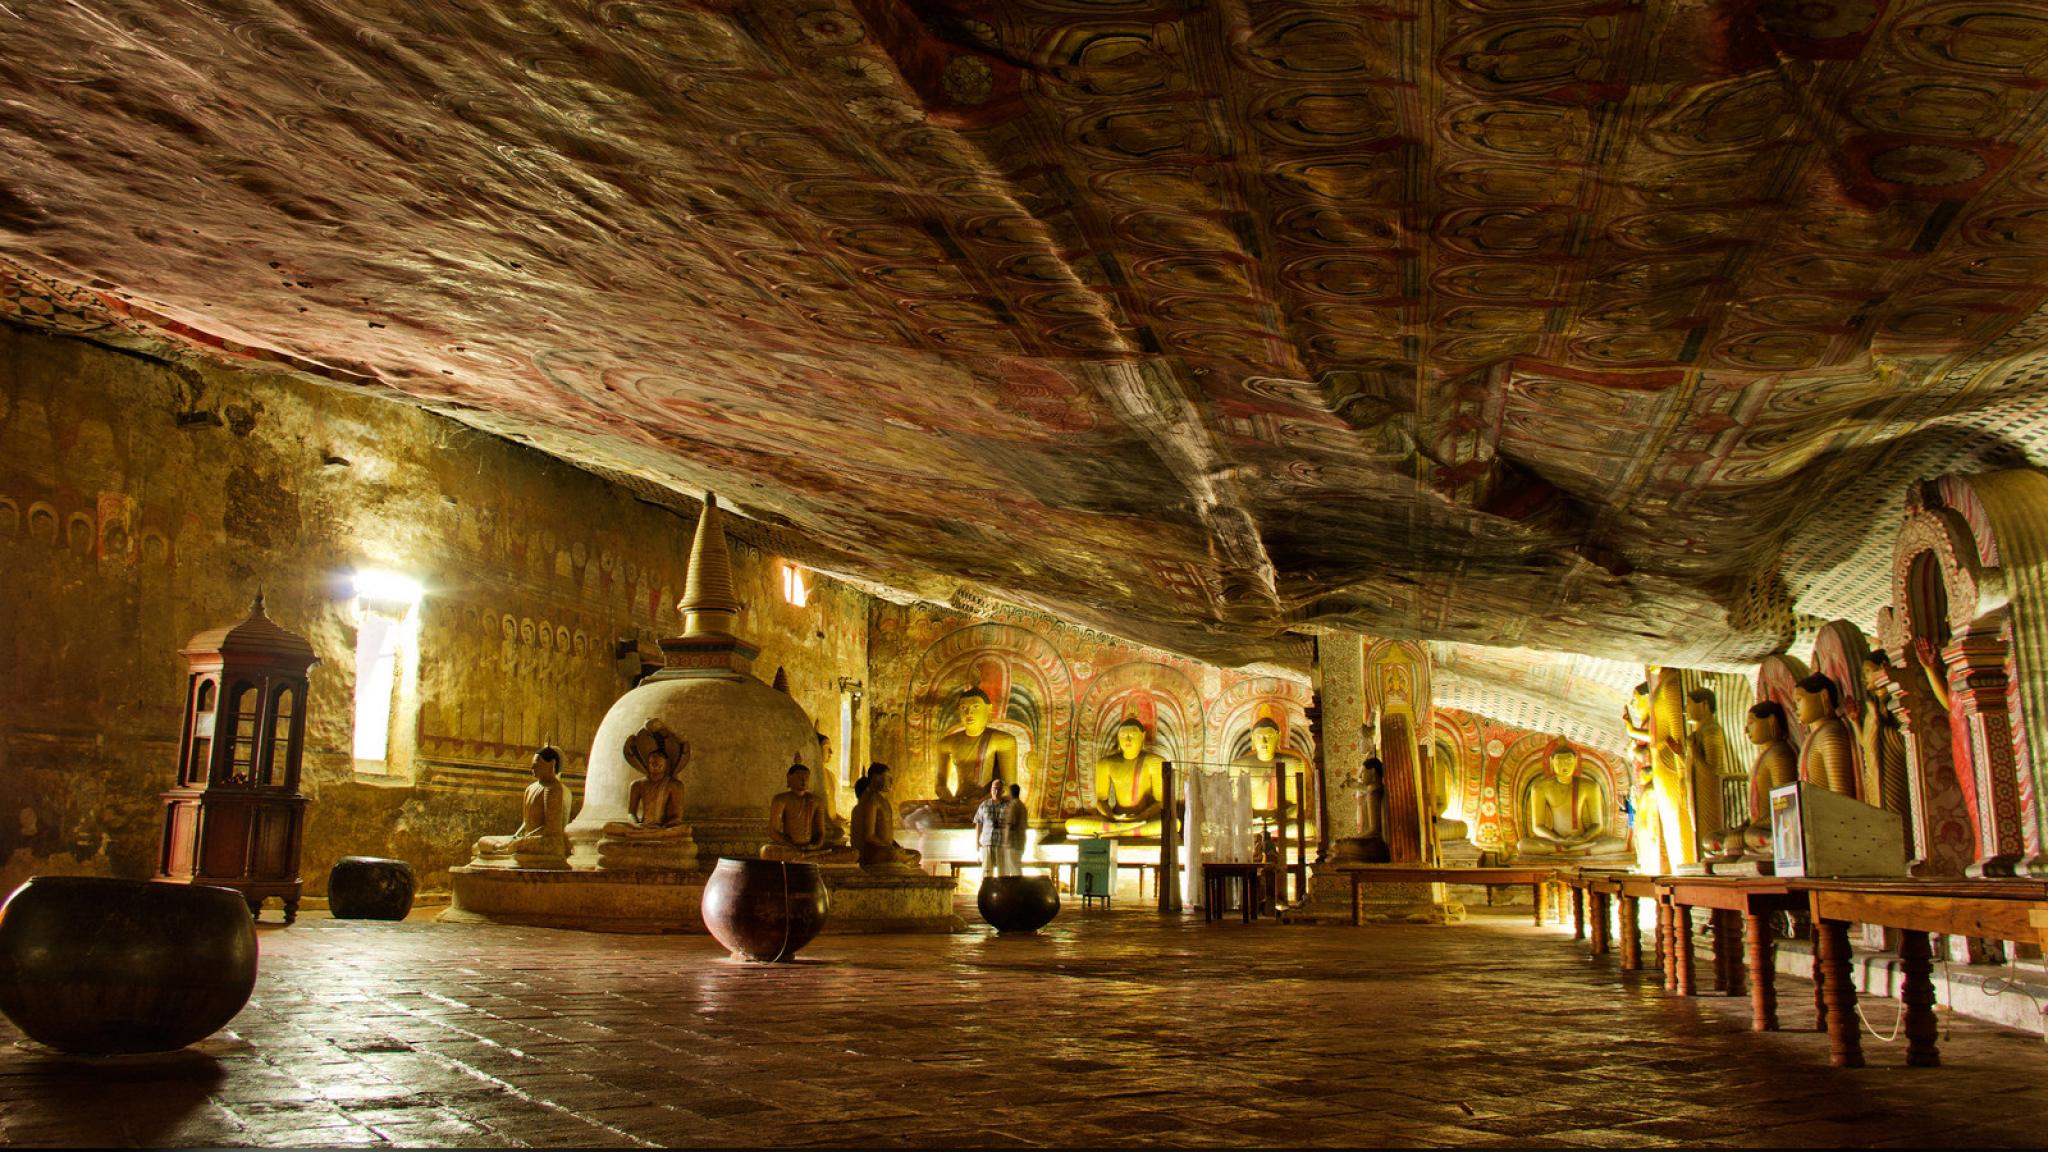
pixel 1610 328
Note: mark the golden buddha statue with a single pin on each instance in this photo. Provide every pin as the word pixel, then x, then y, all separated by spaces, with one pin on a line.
pixel 1706 757
pixel 1259 767
pixel 1776 765
pixel 1881 740
pixel 967 758
pixel 542 838
pixel 796 825
pixel 874 824
pixel 1829 758
pixel 1127 788
pixel 1672 807
pixel 1566 812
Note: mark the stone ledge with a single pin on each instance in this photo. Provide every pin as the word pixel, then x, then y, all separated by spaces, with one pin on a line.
pixel 650 901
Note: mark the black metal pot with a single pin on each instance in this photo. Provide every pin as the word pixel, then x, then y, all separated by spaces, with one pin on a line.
pixel 94 965
pixel 1018 903
pixel 369 888
pixel 765 909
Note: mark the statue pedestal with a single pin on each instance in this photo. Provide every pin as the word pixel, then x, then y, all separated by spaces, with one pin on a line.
pixel 534 861
pixel 670 900
pixel 1329 902
pixel 620 854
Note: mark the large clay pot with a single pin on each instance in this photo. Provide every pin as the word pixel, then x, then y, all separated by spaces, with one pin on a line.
pixel 764 909
pixel 1018 903
pixel 95 965
pixel 369 888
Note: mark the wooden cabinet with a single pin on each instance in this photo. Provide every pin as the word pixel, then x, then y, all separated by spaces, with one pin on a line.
pixel 236 818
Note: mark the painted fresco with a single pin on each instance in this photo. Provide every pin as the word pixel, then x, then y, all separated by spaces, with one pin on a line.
pixel 1579 294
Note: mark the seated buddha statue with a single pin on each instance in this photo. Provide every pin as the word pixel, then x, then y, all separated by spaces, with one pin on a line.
pixel 874 825
pixel 542 838
pixel 1566 812
pixel 1127 788
pixel 1776 765
pixel 1260 768
pixel 967 758
pixel 655 836
pixel 1829 757
pixel 796 825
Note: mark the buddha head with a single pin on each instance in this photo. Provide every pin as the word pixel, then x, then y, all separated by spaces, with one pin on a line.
pixel 657 767
pixel 1638 709
pixel 1130 739
pixel 1699 707
pixel 547 764
pixel 1816 697
pixel 1265 740
pixel 799 779
pixel 1766 723
pixel 878 779
pixel 974 711
pixel 1877 674
pixel 1564 762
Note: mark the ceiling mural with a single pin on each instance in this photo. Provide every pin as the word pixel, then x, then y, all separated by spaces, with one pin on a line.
pixel 1592 327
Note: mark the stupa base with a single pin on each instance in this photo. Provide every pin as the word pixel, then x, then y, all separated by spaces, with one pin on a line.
pixel 670 901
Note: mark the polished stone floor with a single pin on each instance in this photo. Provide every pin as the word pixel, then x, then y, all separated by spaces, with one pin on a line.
pixel 1111 1028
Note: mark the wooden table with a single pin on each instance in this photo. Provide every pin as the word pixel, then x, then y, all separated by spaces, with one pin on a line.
pixel 1990 909
pixel 1253 882
pixel 1741 905
pixel 1535 876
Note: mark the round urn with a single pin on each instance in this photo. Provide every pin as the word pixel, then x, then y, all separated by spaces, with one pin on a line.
pixel 765 909
pixel 102 966
pixel 1018 903
pixel 369 888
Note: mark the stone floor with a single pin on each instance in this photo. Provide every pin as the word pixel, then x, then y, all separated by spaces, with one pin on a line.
pixel 1111 1028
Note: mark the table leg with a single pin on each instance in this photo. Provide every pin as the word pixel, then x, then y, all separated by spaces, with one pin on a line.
pixel 1845 1039
pixel 1820 999
pixel 1681 944
pixel 1731 923
pixel 1631 936
pixel 1600 915
pixel 1666 959
pixel 1578 912
pixel 1354 900
pixel 1916 964
pixel 1716 924
pixel 1763 975
pixel 1536 891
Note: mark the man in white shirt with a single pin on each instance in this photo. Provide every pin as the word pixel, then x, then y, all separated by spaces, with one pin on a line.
pixel 992 829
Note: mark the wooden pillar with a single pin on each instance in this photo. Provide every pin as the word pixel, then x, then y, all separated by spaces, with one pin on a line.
pixel 1280 825
pixel 1168 887
pixel 1681 947
pixel 1631 936
pixel 1578 912
pixel 1763 975
pixel 1916 965
pixel 1300 838
pixel 1601 909
pixel 1537 894
pixel 1845 1039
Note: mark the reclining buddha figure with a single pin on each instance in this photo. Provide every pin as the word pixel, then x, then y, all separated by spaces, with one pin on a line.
pixel 1127 790
pixel 1566 812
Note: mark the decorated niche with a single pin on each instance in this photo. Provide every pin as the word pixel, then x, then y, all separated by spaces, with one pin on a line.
pixel 1970 619
pixel 1030 690
pixel 1524 761
pixel 1941 826
pixel 1158 696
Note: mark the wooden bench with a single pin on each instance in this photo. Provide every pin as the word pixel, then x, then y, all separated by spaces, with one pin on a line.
pixel 1533 876
pixel 1741 907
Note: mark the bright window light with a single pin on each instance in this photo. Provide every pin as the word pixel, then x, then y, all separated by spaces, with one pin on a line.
pixel 387 647
pixel 387 587
pixel 796 589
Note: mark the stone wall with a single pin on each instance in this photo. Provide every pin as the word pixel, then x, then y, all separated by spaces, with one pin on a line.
pixel 141 503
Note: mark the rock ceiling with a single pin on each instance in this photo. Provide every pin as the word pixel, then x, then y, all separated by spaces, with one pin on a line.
pixel 1611 328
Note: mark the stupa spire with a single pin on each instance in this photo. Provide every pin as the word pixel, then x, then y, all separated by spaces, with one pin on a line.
pixel 709 605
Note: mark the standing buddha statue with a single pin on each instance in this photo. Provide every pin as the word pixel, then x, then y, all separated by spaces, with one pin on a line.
pixel 1881 740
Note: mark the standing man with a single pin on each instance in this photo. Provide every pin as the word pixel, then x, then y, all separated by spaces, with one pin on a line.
pixel 1017 821
pixel 992 829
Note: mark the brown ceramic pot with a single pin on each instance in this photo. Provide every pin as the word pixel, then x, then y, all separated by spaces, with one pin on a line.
pixel 764 909
pixel 95 965
pixel 369 888
pixel 1018 903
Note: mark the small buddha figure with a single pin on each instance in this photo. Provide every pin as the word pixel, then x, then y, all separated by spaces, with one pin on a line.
pixel 1881 740
pixel 1566 812
pixel 1259 768
pixel 874 825
pixel 796 825
pixel 1127 787
pixel 1370 793
pixel 655 836
pixel 1776 765
pixel 968 758
pixel 1706 758
pixel 542 839
pixel 1829 758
